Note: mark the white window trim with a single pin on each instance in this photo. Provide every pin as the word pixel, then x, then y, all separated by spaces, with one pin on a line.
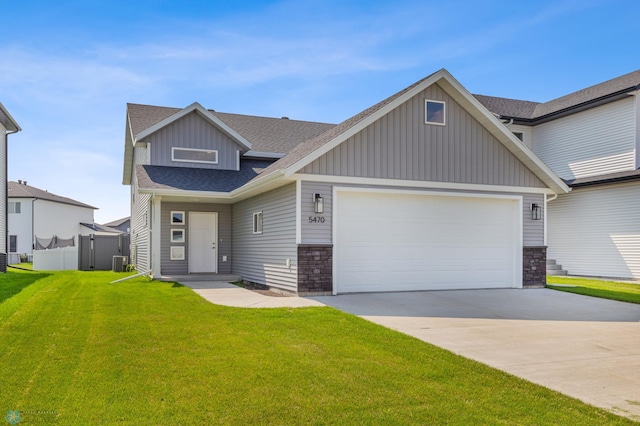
pixel 15 207
pixel 175 148
pixel 177 253
pixel 257 224
pixel 184 218
pixel 444 112
pixel 180 239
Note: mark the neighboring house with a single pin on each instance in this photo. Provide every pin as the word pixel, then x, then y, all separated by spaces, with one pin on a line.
pixel 424 190
pixel 7 126
pixel 38 219
pixel 591 139
pixel 122 225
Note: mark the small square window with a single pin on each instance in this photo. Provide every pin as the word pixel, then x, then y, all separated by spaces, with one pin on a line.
pixel 177 235
pixel 257 223
pixel 177 252
pixel 177 218
pixel 435 112
pixel 15 207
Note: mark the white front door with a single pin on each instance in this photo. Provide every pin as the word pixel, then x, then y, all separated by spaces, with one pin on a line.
pixel 203 242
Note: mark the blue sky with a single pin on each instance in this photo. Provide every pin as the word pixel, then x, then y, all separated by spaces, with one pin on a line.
pixel 68 68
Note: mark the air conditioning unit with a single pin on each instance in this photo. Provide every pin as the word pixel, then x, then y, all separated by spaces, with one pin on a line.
pixel 119 263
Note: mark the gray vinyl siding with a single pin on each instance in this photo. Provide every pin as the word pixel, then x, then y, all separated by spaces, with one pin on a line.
pixel 261 258
pixel 181 267
pixel 192 131
pixel 321 233
pixel 3 190
pixel 315 232
pixel 140 217
pixel 401 146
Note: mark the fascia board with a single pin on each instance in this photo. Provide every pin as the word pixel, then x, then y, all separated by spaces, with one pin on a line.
pixel 363 124
pixel 16 126
pixel 204 113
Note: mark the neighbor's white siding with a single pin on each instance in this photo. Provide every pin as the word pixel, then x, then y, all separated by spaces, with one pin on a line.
pixel 596 231
pixel 20 225
pixel 593 142
pixel 61 220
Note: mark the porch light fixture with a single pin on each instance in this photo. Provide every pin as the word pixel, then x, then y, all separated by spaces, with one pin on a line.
pixel 318 203
pixel 536 211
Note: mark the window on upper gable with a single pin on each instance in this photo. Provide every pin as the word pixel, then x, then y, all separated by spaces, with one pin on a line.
pixel 519 135
pixel 193 155
pixel 434 112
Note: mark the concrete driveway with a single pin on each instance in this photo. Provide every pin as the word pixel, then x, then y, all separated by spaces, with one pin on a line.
pixel 584 347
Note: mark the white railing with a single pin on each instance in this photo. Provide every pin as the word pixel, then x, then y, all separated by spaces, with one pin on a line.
pixel 59 259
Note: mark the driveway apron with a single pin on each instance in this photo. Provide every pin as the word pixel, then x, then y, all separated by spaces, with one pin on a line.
pixel 584 347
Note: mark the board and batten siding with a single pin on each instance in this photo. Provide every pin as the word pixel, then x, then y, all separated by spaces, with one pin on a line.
pixel 596 231
pixel 594 142
pixel 401 146
pixel 193 131
pixel 140 218
pixel 181 267
pixel 321 233
pixel 262 258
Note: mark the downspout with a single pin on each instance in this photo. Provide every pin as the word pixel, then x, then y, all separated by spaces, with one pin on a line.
pixel 6 191
pixel 546 216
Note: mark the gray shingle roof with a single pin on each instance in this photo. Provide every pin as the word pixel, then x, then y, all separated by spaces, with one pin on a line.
pixel 273 135
pixel 20 190
pixel 195 179
pixel 533 110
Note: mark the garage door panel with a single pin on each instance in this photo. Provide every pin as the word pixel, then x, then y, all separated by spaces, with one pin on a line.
pixel 394 242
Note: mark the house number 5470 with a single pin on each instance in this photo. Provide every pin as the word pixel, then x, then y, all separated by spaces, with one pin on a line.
pixel 316 219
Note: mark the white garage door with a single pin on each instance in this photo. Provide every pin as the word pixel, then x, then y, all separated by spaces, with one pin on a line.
pixel 399 242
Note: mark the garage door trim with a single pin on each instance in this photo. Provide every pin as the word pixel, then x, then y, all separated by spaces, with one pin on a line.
pixel 517 231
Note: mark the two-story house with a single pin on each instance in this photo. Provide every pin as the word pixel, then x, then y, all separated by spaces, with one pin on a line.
pixel 7 126
pixel 39 219
pixel 591 139
pixel 428 189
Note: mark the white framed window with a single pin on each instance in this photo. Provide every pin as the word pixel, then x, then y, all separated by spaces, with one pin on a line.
pixel 177 252
pixel 177 218
pixel 434 112
pixel 177 235
pixel 15 207
pixel 193 155
pixel 257 223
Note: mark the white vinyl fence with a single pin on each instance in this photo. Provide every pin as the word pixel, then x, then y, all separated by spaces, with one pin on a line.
pixel 58 259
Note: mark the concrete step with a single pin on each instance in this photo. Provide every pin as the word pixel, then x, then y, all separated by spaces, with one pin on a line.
pixel 554 267
pixel 556 272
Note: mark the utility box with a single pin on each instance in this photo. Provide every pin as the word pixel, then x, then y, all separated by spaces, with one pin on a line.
pixel 119 263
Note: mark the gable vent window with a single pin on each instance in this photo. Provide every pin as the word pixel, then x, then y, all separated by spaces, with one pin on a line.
pixel 434 112
pixel 519 135
pixel 193 155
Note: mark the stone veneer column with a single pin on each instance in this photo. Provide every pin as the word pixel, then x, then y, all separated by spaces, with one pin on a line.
pixel 315 268
pixel 534 267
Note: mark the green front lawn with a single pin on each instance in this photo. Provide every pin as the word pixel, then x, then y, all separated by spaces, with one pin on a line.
pixel 77 350
pixel 615 290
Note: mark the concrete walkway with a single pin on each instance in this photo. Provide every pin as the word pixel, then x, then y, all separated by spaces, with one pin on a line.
pixel 584 347
pixel 223 293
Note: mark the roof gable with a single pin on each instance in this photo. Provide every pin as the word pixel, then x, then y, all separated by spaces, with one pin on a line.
pixel 22 190
pixel 194 107
pixel 311 150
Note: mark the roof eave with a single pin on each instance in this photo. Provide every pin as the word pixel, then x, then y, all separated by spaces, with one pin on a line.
pixel 11 124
